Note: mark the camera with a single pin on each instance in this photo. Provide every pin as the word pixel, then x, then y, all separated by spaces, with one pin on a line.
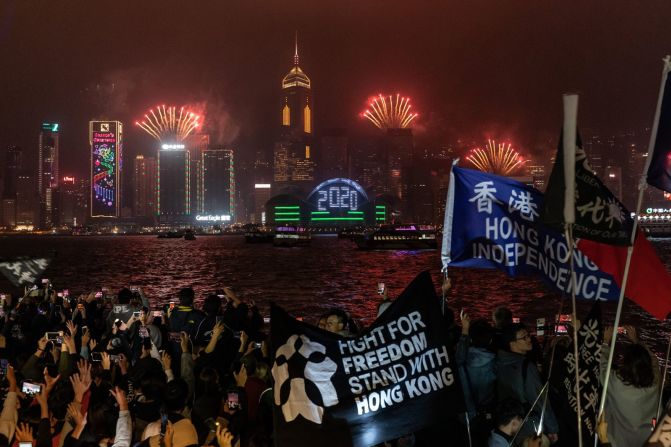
pixel 55 337
pixel 380 288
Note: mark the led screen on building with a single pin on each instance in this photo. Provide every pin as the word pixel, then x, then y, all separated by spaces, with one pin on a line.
pixel 338 200
pixel 105 138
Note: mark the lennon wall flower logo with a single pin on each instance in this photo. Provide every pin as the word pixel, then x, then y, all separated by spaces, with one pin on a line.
pixel 302 374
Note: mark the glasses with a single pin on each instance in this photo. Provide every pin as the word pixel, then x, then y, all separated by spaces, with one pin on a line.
pixel 526 337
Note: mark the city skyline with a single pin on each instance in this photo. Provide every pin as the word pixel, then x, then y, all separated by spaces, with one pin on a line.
pixel 468 74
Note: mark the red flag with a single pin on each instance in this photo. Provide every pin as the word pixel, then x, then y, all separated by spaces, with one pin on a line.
pixel 649 283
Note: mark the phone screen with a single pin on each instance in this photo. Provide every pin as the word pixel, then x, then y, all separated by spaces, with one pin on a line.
pixel 31 388
pixel 96 357
pixel 233 400
pixel 25 444
pixel 380 288
pixel 3 366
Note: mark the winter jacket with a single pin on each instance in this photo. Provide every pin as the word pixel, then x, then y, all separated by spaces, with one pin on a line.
pixel 519 379
pixel 629 410
pixel 477 371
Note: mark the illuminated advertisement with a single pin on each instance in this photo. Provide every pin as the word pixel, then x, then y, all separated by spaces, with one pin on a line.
pixel 338 199
pixel 106 142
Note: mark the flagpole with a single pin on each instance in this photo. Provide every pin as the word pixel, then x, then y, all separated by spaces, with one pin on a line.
pixel 569 136
pixel 445 253
pixel 569 240
pixel 630 249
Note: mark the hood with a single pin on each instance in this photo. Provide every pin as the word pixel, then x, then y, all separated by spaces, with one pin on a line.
pixel 478 357
pixel 505 358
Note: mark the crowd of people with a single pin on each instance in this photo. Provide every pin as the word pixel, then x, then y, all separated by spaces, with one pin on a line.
pixel 109 369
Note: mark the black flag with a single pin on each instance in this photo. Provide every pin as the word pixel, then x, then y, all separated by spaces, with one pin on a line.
pixel 24 271
pixel 659 171
pixel 599 215
pixel 661 437
pixel 563 380
pixel 395 378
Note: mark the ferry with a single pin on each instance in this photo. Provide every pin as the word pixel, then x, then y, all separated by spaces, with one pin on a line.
pixel 255 234
pixel 399 237
pixel 290 236
pixel 171 235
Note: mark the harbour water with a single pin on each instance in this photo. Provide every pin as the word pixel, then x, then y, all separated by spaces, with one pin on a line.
pixel 305 280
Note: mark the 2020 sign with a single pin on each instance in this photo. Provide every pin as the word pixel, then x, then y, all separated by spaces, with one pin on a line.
pixel 338 195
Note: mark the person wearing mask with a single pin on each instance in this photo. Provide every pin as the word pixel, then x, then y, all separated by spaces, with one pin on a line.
pixel 518 378
pixel 633 390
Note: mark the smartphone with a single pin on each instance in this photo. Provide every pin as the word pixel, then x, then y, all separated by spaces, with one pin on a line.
pixel 99 294
pixel 45 281
pixel 25 444
pixel 114 358
pixel 136 314
pixel 96 357
pixel 516 320
pixel 266 320
pixel 380 288
pixel 143 332
pixel 30 388
pixel 157 313
pixel 233 400
pixel 172 305
pixel 621 330
pixel 59 294
pixel 134 288
pixel 55 336
pixel 4 363
pixel 299 318
pixel 66 292
pixel 257 345
pixel 540 327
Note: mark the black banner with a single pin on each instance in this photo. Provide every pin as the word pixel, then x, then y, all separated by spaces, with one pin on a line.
pixel 563 380
pixel 394 378
pixel 24 271
pixel 599 215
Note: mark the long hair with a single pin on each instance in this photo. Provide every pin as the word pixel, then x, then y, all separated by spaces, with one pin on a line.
pixel 637 368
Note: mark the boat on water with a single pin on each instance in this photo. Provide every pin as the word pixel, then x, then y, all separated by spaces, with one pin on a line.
pixel 189 235
pixel 291 236
pixel 258 235
pixel 399 237
pixel 171 235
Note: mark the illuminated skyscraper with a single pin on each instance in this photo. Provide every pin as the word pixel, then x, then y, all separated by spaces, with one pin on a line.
pixel 106 140
pixel 47 172
pixel 13 163
pixel 73 196
pixel 293 153
pixel 174 184
pixel 144 186
pixel 27 201
pixel 218 182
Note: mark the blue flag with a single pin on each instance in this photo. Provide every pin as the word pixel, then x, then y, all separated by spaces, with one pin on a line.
pixel 494 222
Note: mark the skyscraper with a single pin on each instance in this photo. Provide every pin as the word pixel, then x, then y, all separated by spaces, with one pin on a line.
pixel 106 140
pixel 293 152
pixel 174 184
pixel 13 164
pixel 73 195
pixel 144 186
pixel 218 182
pixel 47 171
pixel 27 201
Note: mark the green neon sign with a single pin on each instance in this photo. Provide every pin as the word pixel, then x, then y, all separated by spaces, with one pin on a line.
pixel 287 213
pixel 287 207
pixel 317 219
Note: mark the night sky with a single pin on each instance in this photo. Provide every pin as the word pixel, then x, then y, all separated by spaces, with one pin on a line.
pixel 474 68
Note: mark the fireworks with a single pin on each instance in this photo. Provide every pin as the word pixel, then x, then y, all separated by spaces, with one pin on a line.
pixel 165 124
pixel 390 112
pixel 499 159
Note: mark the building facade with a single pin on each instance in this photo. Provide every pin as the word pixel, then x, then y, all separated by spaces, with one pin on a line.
pixel 106 140
pixel 174 184
pixel 47 172
pixel 293 153
pixel 145 175
pixel 218 183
